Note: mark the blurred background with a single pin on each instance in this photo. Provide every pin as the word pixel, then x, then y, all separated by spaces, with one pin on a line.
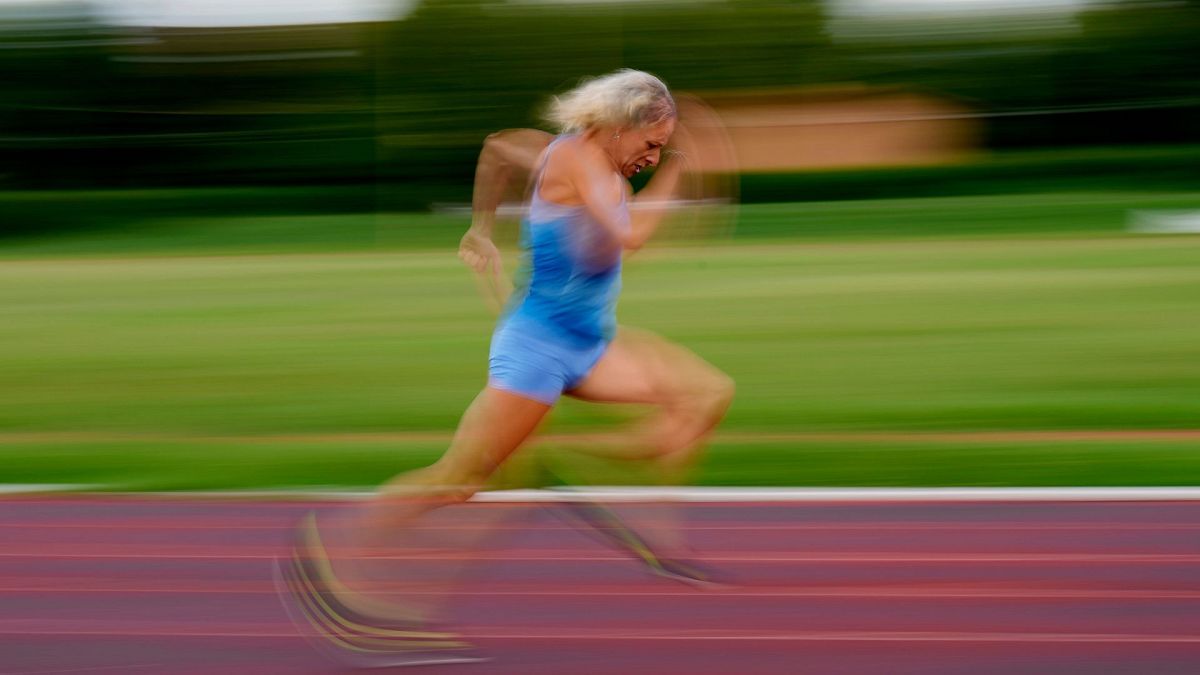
pixel 965 251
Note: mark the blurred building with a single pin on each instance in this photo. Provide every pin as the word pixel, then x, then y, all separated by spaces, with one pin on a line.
pixel 844 127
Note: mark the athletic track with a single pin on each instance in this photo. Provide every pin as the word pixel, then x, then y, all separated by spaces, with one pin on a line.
pixel 167 585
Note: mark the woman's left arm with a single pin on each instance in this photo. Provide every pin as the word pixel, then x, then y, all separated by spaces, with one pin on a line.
pixel 653 202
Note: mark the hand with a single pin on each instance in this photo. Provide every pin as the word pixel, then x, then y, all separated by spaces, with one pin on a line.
pixel 700 134
pixel 479 253
pixel 673 156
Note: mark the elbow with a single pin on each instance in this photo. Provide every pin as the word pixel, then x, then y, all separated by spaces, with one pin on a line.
pixel 632 236
pixel 495 149
pixel 632 244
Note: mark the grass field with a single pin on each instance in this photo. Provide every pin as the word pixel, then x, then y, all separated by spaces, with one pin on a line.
pixel 868 345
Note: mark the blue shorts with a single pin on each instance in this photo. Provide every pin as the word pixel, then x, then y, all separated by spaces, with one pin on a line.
pixel 539 367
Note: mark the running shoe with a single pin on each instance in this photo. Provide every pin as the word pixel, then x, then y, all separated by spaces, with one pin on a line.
pixel 612 530
pixel 347 627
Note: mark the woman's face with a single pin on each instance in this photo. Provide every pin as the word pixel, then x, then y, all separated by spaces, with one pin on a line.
pixel 636 149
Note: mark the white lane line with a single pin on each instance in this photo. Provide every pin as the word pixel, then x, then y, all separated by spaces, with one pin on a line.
pixel 41 587
pixel 40 488
pixel 89 669
pixel 686 494
pixel 850 636
pixel 72 552
pixel 217 524
pixel 651 635
pixel 719 494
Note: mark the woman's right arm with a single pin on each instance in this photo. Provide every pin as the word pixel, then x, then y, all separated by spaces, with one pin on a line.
pixel 506 156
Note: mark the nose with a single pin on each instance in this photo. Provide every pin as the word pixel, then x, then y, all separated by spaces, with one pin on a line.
pixel 653 157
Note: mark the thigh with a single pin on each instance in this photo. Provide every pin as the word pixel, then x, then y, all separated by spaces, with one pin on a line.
pixel 641 367
pixel 493 427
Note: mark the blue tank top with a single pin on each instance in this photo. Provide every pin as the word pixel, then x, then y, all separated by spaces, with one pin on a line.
pixel 570 275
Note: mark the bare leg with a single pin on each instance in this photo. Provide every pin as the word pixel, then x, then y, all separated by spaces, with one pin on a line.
pixel 690 397
pixel 493 427
pixel 689 394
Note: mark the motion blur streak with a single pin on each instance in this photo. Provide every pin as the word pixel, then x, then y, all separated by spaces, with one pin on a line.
pixel 934 243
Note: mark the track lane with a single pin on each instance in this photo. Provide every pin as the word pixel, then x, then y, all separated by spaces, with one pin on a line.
pixel 149 585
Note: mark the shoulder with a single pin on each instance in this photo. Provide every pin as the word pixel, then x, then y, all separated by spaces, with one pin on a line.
pixel 573 150
pixel 575 167
pixel 520 147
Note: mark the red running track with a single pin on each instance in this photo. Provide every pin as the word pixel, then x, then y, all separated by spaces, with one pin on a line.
pixel 138 585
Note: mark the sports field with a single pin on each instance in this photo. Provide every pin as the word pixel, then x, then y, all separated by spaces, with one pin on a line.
pixel 1022 340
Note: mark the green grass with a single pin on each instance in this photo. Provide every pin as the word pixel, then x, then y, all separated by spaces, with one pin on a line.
pixel 208 464
pixel 169 363
pixel 149 233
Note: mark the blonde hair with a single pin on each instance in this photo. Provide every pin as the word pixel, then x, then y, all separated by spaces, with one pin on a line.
pixel 625 98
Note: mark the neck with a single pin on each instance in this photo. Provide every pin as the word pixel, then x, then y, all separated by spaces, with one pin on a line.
pixel 602 139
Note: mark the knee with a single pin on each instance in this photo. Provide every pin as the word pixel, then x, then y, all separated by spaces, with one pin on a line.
pixel 717 396
pixel 702 399
pixel 457 493
pixel 445 483
pixel 458 485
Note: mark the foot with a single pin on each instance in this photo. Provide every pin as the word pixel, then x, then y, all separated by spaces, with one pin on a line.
pixel 687 572
pixel 612 530
pixel 345 626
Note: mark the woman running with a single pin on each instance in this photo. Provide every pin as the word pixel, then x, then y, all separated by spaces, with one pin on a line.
pixel 557 335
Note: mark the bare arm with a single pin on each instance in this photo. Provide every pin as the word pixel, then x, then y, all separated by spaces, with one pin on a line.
pixel 506 156
pixel 653 202
pixel 591 175
pixel 593 179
